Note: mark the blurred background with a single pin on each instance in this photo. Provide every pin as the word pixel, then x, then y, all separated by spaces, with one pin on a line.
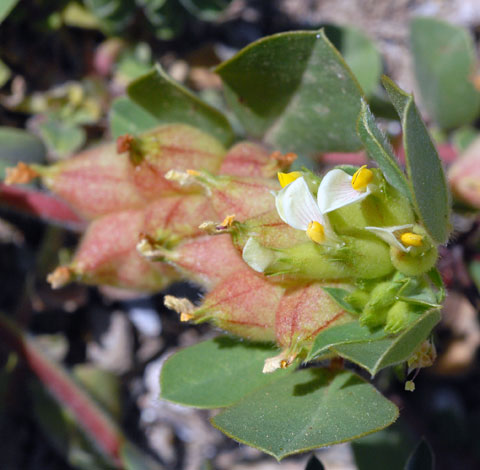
pixel 64 65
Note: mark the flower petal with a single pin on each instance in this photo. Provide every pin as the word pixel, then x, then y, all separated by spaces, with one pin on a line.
pixel 387 234
pixel 296 205
pixel 336 191
pixel 257 256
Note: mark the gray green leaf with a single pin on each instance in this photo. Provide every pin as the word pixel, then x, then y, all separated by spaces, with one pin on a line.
pixel 380 151
pixel 216 373
pixel 305 410
pixel 444 63
pixel 376 355
pixel 348 333
pixel 296 91
pixel 169 102
pixel 18 145
pixel 424 169
pixel 127 117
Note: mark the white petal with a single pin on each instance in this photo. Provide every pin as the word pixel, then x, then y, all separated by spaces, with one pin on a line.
pixel 387 234
pixel 296 205
pixel 336 191
pixel 257 256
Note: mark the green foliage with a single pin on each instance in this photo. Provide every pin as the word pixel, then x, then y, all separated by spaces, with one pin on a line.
pixel 18 145
pixel 113 15
pixel 360 54
pixel 216 373
pixel 170 102
pixel 266 410
pixel 63 137
pixel 127 117
pixel 444 63
pixel 379 150
pixel 6 6
pixel 424 168
pixel 388 351
pixel 308 409
pixel 296 91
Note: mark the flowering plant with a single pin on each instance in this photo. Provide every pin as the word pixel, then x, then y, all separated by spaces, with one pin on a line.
pixel 306 269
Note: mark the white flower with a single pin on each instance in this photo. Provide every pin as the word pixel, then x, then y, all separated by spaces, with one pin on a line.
pixel 398 236
pixel 297 208
pixel 339 189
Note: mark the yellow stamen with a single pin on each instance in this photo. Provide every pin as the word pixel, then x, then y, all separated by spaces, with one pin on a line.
pixel 186 317
pixel 228 221
pixel 193 172
pixel 411 239
pixel 361 178
pixel 287 178
pixel 316 232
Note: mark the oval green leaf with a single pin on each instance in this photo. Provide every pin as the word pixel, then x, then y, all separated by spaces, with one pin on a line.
pixel 305 410
pixel 127 117
pixel 348 333
pixel 425 172
pixel 296 91
pixel 169 102
pixel 18 145
pixel 380 151
pixel 216 373
pixel 360 54
pixel 444 63
pixel 376 355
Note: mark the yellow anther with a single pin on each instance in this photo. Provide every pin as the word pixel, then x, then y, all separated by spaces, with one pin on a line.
pixel 228 221
pixel 316 232
pixel 361 178
pixel 411 239
pixel 185 317
pixel 287 178
pixel 192 172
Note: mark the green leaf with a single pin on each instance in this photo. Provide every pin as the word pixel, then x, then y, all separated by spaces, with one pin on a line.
pixel 18 145
pixel 376 355
pixel 6 6
pixel 127 117
pixel 296 91
pixel 360 54
pixel 444 62
pixel 339 295
pixel 305 410
pixel 431 197
pixel 380 151
pixel 422 458
pixel 207 10
pixel 62 137
pixel 114 15
pixel 170 102
pixel 216 373
pixel 348 333
pixel 314 464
